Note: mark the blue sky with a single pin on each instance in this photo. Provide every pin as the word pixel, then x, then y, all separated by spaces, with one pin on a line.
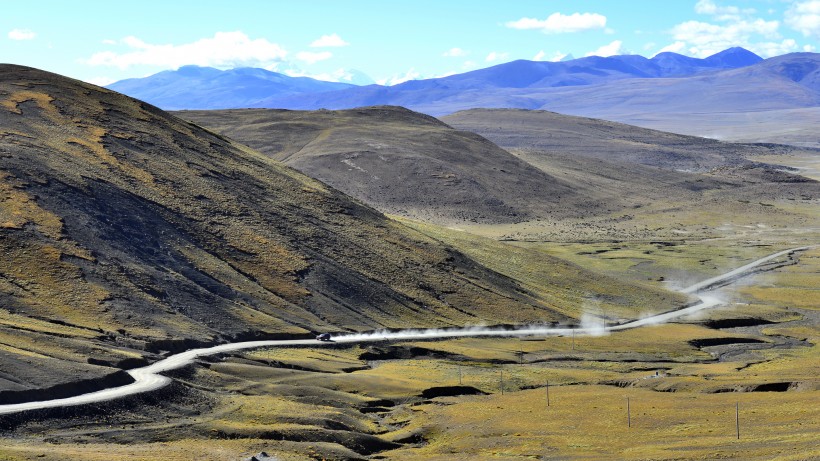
pixel 388 41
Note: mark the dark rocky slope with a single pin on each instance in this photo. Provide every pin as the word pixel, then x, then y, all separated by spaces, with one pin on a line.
pixel 403 162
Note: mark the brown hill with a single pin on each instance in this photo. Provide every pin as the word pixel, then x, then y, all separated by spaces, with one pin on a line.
pixel 403 162
pixel 647 177
pixel 124 230
pixel 563 167
pixel 552 132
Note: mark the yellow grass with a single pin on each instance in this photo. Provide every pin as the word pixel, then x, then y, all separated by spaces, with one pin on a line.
pixel 18 208
pixel 42 100
pixel 567 287
pixel 179 450
pixel 590 422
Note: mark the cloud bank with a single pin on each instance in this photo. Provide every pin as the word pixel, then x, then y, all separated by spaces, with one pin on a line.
pixel 727 26
pixel 614 48
pixel 804 17
pixel 328 41
pixel 21 34
pixel 223 50
pixel 454 53
pixel 558 23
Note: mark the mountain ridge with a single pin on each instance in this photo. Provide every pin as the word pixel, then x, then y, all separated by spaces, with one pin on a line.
pixel 208 88
pixel 449 94
pixel 192 87
pixel 515 76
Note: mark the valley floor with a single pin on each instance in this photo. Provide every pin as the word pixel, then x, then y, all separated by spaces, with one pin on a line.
pixel 439 399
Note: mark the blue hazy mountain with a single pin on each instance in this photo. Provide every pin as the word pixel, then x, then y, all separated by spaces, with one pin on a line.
pixel 781 83
pixel 518 83
pixel 194 87
pixel 620 88
pixel 678 65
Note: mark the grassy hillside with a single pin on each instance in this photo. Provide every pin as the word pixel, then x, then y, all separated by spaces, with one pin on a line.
pixel 123 228
pixel 571 289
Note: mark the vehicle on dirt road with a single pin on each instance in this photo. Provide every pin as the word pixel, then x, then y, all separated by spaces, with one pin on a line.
pixel 323 337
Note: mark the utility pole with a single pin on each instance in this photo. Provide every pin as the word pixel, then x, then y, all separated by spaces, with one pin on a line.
pixel 502 382
pixel 737 419
pixel 628 414
pixel 459 375
pixel 573 339
pixel 548 393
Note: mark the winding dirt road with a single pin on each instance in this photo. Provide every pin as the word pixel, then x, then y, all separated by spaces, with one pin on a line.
pixel 148 378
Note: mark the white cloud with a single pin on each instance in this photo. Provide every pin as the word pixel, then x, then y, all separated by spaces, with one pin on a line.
pixel 326 41
pixel 720 12
pixel 21 34
pixel 454 53
pixel 733 26
pixel 769 49
pixel 708 7
pixel 556 57
pixel 496 56
pixel 311 57
pixel 704 39
pixel 558 23
pixel 677 47
pixel 804 17
pixel 808 48
pixel 223 50
pixel 108 41
pixel 400 78
pixel 338 75
pixel 705 7
pixel 611 49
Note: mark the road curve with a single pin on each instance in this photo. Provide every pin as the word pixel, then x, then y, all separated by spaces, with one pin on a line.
pixel 148 378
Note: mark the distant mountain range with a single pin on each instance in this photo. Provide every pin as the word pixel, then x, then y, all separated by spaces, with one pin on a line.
pixel 670 91
pixel 775 100
pixel 518 84
pixel 733 80
pixel 194 87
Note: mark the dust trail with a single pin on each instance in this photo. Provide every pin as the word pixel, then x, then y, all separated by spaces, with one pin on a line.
pixel 731 275
pixel 592 324
pixel 148 378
